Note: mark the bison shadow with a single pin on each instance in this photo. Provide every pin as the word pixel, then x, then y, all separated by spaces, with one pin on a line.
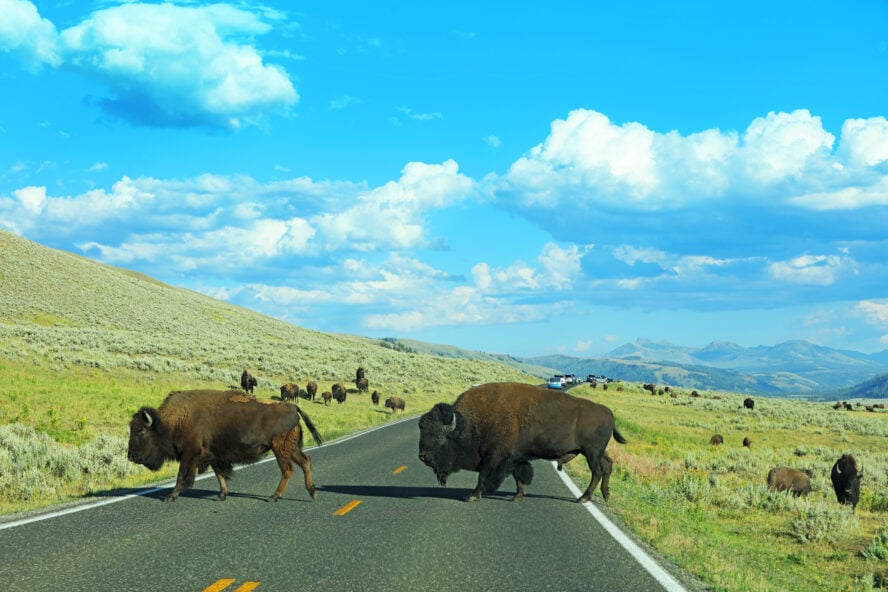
pixel 161 492
pixel 414 492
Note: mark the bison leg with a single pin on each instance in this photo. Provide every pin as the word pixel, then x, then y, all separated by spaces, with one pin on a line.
pixel 607 466
pixel 523 474
pixel 288 450
pixel 594 462
pixel 185 478
pixel 223 473
pixel 491 473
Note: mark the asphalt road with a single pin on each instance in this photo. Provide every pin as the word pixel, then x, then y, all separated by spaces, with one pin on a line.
pixel 381 522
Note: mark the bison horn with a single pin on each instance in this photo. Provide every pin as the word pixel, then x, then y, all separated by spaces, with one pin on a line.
pixel 452 425
pixel 147 418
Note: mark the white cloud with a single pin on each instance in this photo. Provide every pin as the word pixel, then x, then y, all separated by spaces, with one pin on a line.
pixel 26 34
pixel 587 160
pixel 557 270
pixel 393 215
pixel 819 270
pixel 165 64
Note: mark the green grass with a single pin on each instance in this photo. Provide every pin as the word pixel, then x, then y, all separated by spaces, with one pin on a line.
pixel 707 507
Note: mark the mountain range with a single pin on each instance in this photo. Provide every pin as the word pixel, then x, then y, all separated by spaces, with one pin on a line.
pixel 789 368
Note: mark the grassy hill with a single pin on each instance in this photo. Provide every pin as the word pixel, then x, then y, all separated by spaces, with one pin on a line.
pixel 84 345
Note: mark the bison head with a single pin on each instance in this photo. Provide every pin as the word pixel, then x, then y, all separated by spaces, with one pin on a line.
pixel 438 444
pixel 149 442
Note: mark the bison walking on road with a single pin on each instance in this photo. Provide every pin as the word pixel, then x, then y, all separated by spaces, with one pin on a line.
pixel 607 466
pixel 219 429
pixel 497 429
pixel 845 476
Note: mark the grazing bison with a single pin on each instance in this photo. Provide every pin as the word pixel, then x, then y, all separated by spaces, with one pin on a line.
pixel 717 439
pixel 846 475
pixel 747 442
pixel 339 392
pixel 497 429
pixel 650 387
pixel 375 397
pixel 289 391
pixel 312 389
pixel 749 403
pixel 219 429
pixel 327 396
pixel 787 479
pixel 363 384
pixel 395 404
pixel 607 466
pixel 248 382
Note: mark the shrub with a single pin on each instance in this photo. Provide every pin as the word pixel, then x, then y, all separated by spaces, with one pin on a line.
pixel 819 523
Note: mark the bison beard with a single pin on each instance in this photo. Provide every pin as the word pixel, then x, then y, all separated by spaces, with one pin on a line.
pixel 217 429
pixel 497 429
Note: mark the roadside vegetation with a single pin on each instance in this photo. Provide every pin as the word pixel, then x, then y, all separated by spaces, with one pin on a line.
pixel 708 508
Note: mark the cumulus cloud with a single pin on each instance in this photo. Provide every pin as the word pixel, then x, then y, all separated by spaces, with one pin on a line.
pixel 164 65
pixel 820 270
pixel 589 161
pixel 393 215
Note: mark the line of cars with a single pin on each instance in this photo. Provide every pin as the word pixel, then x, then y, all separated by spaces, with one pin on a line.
pixel 560 381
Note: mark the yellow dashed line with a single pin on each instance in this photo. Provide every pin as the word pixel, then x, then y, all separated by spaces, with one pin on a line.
pixel 220 585
pixel 347 508
pixel 400 469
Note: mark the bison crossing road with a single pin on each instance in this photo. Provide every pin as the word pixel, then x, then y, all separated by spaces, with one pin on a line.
pixel 137 543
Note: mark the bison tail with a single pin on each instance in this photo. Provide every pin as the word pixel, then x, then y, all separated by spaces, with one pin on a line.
pixel 618 436
pixel 310 426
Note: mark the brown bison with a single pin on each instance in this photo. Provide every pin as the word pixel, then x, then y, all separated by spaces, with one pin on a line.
pixel 497 429
pixel 717 439
pixel 363 384
pixel 650 387
pixel 747 442
pixel 289 391
pixel 248 382
pixel 339 393
pixel 375 397
pixel 327 396
pixel 359 373
pixel 395 404
pixel 749 403
pixel 219 429
pixel 846 475
pixel 312 389
pixel 787 479
pixel 607 466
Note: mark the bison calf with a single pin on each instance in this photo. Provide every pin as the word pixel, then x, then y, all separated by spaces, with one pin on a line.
pixel 219 429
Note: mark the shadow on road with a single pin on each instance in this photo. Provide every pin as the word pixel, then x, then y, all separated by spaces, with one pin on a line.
pixel 453 494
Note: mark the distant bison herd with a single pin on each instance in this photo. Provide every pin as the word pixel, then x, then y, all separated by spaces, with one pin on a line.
pixel 494 429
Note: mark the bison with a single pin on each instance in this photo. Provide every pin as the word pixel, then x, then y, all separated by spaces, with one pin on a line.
pixel 787 479
pixel 846 475
pixel 496 429
pixel 363 384
pixel 717 439
pixel 339 392
pixel 289 391
pixel 607 465
pixel 219 429
pixel 375 397
pixel 311 387
pixel 747 442
pixel 248 382
pixel 749 403
pixel 395 404
pixel 327 396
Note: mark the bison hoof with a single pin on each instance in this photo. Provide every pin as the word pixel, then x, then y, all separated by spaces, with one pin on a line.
pixel 314 494
pixel 475 497
pixel 518 497
pixel 221 497
pixel 170 498
pixel 274 498
pixel 582 499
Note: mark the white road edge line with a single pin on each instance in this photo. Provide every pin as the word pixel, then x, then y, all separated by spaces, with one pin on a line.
pixel 170 483
pixel 653 568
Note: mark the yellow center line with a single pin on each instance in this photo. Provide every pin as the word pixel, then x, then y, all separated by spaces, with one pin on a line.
pixel 248 587
pixel 347 508
pixel 400 469
pixel 220 585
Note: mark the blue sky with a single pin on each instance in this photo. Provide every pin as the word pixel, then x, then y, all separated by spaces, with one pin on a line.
pixel 498 176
